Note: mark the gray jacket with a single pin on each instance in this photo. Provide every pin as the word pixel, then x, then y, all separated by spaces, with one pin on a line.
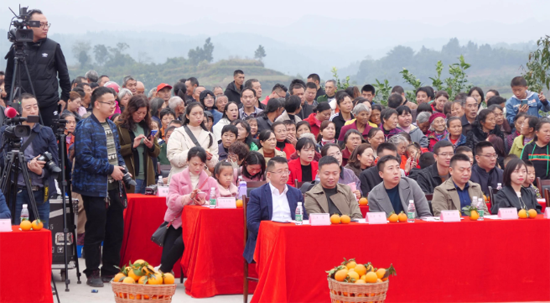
pixel 408 190
pixel 418 136
pixel 284 116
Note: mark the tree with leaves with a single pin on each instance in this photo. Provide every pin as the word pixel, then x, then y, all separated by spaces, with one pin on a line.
pixel 101 54
pixel 259 53
pixel 199 54
pixel 536 70
pixel 80 52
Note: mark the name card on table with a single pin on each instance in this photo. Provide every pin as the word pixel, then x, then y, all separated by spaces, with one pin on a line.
pixel 449 216
pixel 226 202
pixel 510 213
pixel 376 218
pixel 162 191
pixel 319 219
pixel 547 213
pixel 5 225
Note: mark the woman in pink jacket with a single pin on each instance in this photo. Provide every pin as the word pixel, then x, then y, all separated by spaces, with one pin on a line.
pixel 190 187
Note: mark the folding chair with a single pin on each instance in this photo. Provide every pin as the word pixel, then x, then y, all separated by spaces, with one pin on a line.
pixel 541 185
pixel 246 277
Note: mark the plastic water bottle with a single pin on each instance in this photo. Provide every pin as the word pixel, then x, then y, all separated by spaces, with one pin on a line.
pixel 242 190
pixel 299 218
pixel 212 197
pixel 480 210
pixel 160 182
pixel 411 212
pixel 24 213
pixel 499 186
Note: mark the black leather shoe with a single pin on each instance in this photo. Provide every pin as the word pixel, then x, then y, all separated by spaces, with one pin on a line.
pixel 107 279
pixel 94 280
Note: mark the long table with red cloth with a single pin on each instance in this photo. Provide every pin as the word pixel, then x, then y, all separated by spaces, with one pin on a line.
pixel 142 217
pixel 213 257
pixel 26 265
pixel 484 261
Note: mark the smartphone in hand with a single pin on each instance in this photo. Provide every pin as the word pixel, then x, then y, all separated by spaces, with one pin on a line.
pixel 153 133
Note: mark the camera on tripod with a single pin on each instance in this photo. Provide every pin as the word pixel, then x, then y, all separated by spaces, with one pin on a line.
pixel 15 130
pixel 22 24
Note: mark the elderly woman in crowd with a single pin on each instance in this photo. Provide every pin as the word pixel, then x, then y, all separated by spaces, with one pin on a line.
pixel 361 124
pixel 177 105
pixel 389 123
pixel 423 121
pixel 438 129
pixel 124 96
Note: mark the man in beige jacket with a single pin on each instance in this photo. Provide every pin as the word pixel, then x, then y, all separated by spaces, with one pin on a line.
pixel 458 191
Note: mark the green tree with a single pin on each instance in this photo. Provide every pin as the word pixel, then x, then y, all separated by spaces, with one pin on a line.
pixel 199 54
pixel 340 84
pixel 536 70
pixel 208 50
pixel 80 52
pixel 101 54
pixel 259 53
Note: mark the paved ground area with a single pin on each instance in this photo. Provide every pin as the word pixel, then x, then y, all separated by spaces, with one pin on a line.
pixel 82 293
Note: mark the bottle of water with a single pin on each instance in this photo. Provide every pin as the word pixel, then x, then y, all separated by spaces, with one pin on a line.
pixel 499 186
pixel 212 197
pixel 24 213
pixel 411 212
pixel 242 189
pixel 480 210
pixel 160 182
pixel 299 219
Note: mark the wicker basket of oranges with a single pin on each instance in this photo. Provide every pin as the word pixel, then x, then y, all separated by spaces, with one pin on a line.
pixel 353 282
pixel 139 281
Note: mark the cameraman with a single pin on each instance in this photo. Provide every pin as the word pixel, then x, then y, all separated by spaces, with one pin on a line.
pixel 41 140
pixel 46 62
pixel 98 168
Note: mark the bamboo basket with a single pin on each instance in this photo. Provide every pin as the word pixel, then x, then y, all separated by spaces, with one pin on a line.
pixel 129 293
pixel 341 292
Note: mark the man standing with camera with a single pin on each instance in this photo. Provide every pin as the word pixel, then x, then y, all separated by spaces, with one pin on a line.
pixel 98 168
pixel 46 63
pixel 41 141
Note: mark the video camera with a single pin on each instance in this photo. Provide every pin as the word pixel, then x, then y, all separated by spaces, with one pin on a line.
pixel 22 24
pixel 15 130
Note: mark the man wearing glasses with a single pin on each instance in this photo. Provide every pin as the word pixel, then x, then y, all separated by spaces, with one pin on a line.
pixel 46 64
pixel 274 201
pixel 485 172
pixel 432 176
pixel 98 168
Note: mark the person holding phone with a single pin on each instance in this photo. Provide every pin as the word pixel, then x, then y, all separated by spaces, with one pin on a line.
pixel 138 145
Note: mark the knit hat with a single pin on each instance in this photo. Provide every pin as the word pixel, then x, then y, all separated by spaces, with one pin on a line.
pixel 436 115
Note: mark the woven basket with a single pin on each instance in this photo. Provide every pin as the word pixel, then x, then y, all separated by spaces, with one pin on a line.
pixel 342 292
pixel 125 292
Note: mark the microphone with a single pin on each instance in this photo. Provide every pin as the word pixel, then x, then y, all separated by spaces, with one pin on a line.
pixel 10 112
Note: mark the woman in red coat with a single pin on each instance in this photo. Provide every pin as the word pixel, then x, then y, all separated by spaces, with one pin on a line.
pixel 321 113
pixel 303 169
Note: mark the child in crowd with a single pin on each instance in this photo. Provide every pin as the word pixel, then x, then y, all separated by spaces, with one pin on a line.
pixel 223 172
pixel 291 132
pixel 163 158
pixel 229 136
pixel 253 126
pixel 531 176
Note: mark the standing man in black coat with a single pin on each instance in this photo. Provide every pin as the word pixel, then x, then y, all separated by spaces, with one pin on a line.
pixel 235 88
pixel 46 64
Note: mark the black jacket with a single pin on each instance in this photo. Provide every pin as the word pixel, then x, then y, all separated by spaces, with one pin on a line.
pixel 477 135
pixel 320 92
pixel 466 126
pixel 429 179
pixel 306 111
pixel 369 179
pixel 46 63
pixel 507 198
pixel 263 122
pixel 339 122
pixel 486 179
pixel 232 93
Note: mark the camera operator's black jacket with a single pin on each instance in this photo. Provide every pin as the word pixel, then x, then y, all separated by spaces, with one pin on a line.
pixel 46 62
pixel 44 141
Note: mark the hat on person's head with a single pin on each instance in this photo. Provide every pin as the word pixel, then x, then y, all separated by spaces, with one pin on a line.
pixel 163 86
pixel 436 115
pixel 113 85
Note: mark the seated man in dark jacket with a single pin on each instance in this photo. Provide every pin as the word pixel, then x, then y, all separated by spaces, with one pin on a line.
pixel 432 176
pixel 485 172
pixel 370 177
pixel 274 201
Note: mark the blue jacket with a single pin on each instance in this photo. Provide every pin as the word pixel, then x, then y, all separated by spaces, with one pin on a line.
pixel 260 208
pixel 44 141
pixel 4 210
pixel 92 166
pixel 513 104
pixel 461 141
pixel 216 115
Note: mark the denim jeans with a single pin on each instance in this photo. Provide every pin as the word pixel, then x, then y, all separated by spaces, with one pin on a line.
pixel 42 206
pixel 140 187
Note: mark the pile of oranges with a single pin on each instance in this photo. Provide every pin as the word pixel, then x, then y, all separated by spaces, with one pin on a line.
pixel 524 214
pixel 140 272
pixel 26 225
pixel 337 219
pixel 352 272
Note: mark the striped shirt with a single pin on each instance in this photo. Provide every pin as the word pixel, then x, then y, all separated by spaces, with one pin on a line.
pixel 540 158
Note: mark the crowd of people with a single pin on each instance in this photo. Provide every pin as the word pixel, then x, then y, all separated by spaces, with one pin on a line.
pixel 309 142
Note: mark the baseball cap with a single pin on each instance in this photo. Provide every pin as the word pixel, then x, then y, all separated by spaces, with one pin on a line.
pixel 162 86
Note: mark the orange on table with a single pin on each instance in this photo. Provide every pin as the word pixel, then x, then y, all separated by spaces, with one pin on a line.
pixel 402 217
pixel 532 213
pixel 474 215
pixel 25 225
pixel 345 219
pixel 363 201
pixel 335 219
pixel 393 218
pixel 239 203
pixel 522 214
pixel 37 225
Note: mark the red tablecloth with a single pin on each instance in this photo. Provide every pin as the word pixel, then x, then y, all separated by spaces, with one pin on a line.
pixel 213 257
pixel 26 265
pixel 364 210
pixel 484 261
pixel 142 217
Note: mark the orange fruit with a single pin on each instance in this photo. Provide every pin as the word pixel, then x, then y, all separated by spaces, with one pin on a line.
pixel 138 297
pixel 341 275
pixel 361 269
pixel 351 264
pixel 532 213
pixel 474 215
pixel 128 280
pixel 379 281
pixel 345 219
pixel 168 278
pixel 155 280
pixel 360 281
pixel 363 201
pixel 145 270
pixel 364 277
pixel 371 277
pixel 118 277
pixel 393 218
pixel 380 273
pixel 25 225
pixel 130 296
pixel 522 214
pixel 239 203
pixel 139 262
pixel 335 219
pixel 402 217
pixel 142 280
pixel 132 274
pixel 37 225
pixel 353 275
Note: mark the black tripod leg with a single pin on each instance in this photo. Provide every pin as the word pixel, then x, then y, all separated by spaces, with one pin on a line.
pixel 28 186
pixel 55 289
pixel 73 214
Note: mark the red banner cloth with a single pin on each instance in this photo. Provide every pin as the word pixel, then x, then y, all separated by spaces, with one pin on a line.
pixel 26 262
pixel 142 217
pixel 214 245
pixel 364 210
pixel 484 261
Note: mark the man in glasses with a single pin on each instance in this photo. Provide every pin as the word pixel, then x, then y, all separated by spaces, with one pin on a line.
pixel 432 176
pixel 274 201
pixel 47 68
pixel 485 172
